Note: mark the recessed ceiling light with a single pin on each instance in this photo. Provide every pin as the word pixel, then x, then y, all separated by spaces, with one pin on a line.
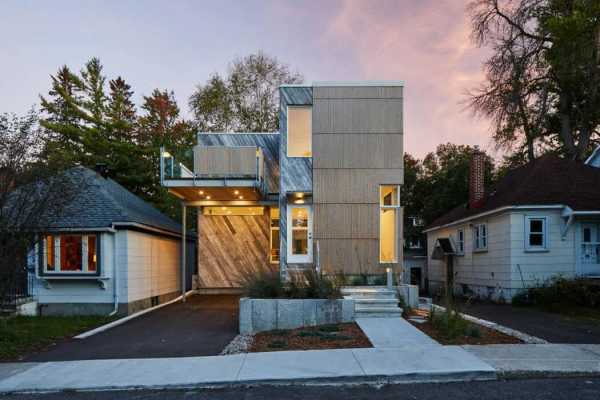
pixel 299 195
pixel 241 197
pixel 223 208
pixel 201 192
pixel 236 192
pixel 207 197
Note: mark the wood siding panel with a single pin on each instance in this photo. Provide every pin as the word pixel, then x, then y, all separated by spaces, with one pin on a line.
pixel 345 221
pixel 357 116
pixel 230 247
pixel 353 256
pixel 358 92
pixel 352 185
pixel 358 151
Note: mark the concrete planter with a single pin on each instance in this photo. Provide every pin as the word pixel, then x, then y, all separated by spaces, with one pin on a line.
pixel 258 315
pixel 410 295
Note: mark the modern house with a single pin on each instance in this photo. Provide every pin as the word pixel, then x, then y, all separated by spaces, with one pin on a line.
pixel 541 220
pixel 323 192
pixel 108 251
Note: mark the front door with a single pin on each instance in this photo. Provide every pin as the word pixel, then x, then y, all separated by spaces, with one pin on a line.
pixel 590 249
pixel 299 234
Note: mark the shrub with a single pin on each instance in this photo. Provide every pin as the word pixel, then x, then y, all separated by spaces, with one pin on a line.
pixel 559 292
pixel 267 284
pixel 450 324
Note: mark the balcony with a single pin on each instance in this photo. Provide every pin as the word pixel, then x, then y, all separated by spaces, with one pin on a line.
pixel 219 174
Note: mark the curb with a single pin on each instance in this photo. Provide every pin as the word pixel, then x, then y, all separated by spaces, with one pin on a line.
pixel 374 380
pixel 529 339
pixel 127 318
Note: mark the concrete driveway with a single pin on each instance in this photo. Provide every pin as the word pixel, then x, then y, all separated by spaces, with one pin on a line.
pixel 202 326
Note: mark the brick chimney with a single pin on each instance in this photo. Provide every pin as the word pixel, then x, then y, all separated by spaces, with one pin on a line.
pixel 477 179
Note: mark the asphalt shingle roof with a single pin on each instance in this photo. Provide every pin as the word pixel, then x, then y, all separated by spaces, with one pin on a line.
pixel 549 180
pixel 100 202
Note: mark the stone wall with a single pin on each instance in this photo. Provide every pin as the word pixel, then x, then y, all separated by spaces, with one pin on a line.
pixel 258 315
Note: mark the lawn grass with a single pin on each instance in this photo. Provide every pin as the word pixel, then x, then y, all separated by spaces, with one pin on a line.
pixel 24 335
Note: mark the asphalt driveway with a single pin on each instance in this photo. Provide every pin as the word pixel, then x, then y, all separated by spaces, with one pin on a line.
pixel 554 328
pixel 202 326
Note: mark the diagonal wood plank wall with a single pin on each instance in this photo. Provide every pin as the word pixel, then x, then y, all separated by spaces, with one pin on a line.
pixel 231 246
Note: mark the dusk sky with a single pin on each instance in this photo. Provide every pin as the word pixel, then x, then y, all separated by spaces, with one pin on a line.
pixel 178 44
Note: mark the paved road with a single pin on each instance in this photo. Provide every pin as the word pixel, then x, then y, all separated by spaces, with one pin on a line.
pixel 202 326
pixel 539 389
pixel 554 328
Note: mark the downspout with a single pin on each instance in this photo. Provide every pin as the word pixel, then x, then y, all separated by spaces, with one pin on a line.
pixel 115 278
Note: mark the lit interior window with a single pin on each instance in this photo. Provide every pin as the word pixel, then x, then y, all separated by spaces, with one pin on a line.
pixel 299 132
pixel 226 210
pixel 389 203
pixel 274 256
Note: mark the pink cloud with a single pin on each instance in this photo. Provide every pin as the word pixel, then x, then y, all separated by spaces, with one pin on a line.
pixel 426 44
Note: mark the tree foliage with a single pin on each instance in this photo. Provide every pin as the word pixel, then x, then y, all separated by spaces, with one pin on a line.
pixel 437 183
pixel 90 122
pixel 542 88
pixel 247 99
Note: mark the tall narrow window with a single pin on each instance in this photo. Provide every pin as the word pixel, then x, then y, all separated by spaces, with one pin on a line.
pixel 535 233
pixel 50 253
pixel 460 241
pixel 299 131
pixel 389 204
pixel 480 237
pixel 274 257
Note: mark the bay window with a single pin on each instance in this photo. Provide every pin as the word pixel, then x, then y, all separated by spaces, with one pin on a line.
pixel 70 254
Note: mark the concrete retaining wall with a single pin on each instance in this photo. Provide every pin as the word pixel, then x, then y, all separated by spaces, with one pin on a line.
pixel 258 315
pixel 410 295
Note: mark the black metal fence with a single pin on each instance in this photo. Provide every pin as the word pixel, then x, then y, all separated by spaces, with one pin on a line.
pixel 14 286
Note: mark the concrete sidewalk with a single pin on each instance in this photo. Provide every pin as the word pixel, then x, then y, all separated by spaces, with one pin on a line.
pixel 540 359
pixel 393 333
pixel 413 363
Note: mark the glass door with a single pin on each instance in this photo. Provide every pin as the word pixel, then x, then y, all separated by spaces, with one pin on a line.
pixel 299 234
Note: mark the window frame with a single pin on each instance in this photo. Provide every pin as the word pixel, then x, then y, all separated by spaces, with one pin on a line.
pixel 396 207
pixel 287 123
pixel 479 239
pixel 43 260
pixel 527 231
pixel 460 243
pixel 271 229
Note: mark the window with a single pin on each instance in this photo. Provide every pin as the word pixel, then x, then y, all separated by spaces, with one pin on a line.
pixel 299 131
pixel 535 233
pixel 274 256
pixel 460 241
pixel 480 237
pixel 389 204
pixel 74 254
pixel 224 210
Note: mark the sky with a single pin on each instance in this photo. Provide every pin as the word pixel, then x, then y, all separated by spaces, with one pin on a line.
pixel 178 44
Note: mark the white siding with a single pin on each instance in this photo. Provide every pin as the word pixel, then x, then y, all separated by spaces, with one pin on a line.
pixel 152 265
pixel 486 272
pixel 536 267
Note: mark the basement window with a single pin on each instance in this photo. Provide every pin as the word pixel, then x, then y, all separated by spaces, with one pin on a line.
pixel 299 131
pixel 70 254
pixel 389 205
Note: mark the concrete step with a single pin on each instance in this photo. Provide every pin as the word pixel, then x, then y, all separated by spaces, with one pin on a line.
pixel 377 310
pixel 392 302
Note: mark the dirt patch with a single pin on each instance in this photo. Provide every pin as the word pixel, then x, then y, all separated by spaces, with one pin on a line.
pixel 338 336
pixel 479 335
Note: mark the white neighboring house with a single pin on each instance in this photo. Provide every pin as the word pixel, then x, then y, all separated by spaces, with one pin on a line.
pixel 541 220
pixel 108 251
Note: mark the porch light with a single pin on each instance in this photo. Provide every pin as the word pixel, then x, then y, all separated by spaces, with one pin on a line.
pixel 299 195
pixel 299 201
pixel 166 154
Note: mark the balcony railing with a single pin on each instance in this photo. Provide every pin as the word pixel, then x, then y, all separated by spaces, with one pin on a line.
pixel 229 164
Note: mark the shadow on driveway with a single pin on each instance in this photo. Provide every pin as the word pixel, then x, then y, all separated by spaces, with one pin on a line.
pixel 554 328
pixel 202 326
